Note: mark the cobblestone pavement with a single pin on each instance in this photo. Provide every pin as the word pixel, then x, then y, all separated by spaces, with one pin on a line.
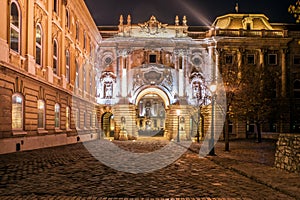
pixel 70 172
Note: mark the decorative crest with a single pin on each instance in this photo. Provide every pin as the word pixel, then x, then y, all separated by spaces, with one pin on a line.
pixel 153 26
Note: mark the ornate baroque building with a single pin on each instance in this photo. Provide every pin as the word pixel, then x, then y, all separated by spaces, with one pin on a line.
pixel 64 80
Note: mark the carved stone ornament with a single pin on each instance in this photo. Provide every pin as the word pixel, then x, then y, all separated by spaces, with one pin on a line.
pixel 153 26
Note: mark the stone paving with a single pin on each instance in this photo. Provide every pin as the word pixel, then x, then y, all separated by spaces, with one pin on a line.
pixel 71 172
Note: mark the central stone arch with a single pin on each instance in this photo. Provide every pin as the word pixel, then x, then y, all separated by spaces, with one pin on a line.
pixel 152 90
pixel 152 104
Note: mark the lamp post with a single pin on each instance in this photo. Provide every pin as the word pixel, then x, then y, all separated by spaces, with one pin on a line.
pixel 213 89
pixel 178 116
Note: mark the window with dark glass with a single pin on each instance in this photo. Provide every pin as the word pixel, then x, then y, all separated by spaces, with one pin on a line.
pixel 296 60
pixel 180 62
pixel 67 19
pixel 228 59
pixel 15 22
pixel 272 59
pixel 297 89
pixel 250 59
pixel 55 6
pixel 84 40
pixel 67 66
pixel 17 112
pixel 55 57
pixel 152 58
pixel 38 45
pixel 77 31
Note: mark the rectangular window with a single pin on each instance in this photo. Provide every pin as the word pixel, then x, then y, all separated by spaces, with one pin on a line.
pixel 296 60
pixel 272 59
pixel 17 112
pixel 228 59
pixel 57 115
pixel 41 114
pixel 250 59
pixel 76 74
pixel 152 58
pixel 55 6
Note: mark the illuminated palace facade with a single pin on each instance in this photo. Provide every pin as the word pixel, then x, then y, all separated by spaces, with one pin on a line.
pixel 65 80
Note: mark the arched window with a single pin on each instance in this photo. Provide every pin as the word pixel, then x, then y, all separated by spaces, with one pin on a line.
pixel 297 89
pixel 15 26
pixel 84 78
pixel 67 19
pixel 84 40
pixel 57 115
pixel 41 114
pixel 38 45
pixel 67 66
pixel 68 117
pixel 77 30
pixel 55 57
pixel 55 6
pixel 17 112
pixel 91 82
pixel 76 74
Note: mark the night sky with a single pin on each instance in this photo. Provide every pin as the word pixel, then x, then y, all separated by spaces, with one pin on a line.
pixel 198 12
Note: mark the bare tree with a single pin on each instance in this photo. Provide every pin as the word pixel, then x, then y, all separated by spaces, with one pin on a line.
pixel 250 95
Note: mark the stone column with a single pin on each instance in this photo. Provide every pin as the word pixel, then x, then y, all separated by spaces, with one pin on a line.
pixel 283 73
pixel 48 48
pixel 239 63
pixel 124 77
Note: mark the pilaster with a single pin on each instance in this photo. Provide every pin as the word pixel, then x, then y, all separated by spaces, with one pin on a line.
pixel 4 47
pixel 30 36
pixel 283 73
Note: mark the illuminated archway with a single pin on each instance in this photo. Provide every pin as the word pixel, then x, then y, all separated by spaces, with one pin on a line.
pixel 153 90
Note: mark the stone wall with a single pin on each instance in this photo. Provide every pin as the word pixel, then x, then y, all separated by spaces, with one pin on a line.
pixel 287 155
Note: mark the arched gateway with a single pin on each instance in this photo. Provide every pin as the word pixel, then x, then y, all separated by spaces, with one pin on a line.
pixel 150 71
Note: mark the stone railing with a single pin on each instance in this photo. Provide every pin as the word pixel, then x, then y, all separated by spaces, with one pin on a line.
pixel 287 154
pixel 250 33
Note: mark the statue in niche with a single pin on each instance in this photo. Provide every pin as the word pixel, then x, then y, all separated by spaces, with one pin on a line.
pixel 168 80
pixel 196 90
pixel 138 81
pixel 108 90
pixel 123 122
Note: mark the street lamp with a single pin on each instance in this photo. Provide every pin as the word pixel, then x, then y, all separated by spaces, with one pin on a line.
pixel 213 88
pixel 178 116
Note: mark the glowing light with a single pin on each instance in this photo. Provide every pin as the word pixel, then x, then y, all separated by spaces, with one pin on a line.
pixel 213 87
pixel 196 13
